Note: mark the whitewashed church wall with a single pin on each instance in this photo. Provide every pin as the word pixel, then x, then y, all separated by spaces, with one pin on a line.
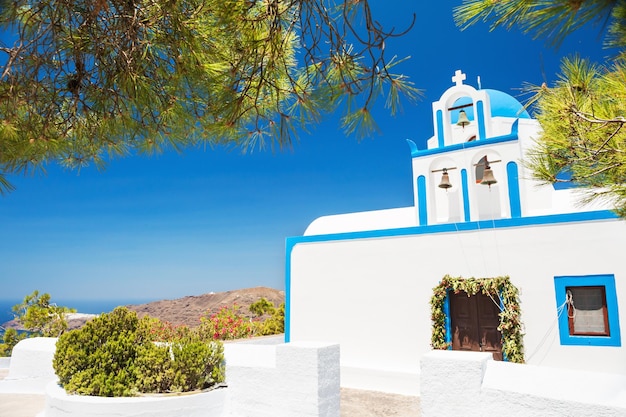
pixel 366 220
pixel 375 314
pixel 372 295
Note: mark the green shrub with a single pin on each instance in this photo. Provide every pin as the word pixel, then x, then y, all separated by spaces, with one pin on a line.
pixel 179 366
pixel 271 319
pixel 153 369
pixel 117 354
pixel 197 365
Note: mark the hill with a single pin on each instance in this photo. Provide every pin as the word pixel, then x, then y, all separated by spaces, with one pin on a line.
pixel 188 310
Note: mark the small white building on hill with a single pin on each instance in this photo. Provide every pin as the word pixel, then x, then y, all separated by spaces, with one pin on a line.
pixel 374 281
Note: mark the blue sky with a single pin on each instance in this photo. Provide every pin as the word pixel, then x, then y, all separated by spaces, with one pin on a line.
pixel 216 219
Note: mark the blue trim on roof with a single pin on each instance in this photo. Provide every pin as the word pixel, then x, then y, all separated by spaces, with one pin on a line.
pixel 412 146
pixel 467 145
pixel 460 227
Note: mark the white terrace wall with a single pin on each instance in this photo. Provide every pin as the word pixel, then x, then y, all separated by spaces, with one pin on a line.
pixel 471 384
pixel 284 380
pixel 32 358
pixel 205 404
pixel 264 378
pixel 30 367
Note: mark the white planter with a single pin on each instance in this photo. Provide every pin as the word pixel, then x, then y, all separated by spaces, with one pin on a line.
pixel 202 404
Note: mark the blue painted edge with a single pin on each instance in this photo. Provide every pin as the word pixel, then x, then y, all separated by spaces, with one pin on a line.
pixel 440 138
pixel 468 145
pixel 462 226
pixel 466 203
pixel 291 242
pixel 412 146
pixel 504 357
pixel 608 281
pixel 422 204
pixel 514 193
pixel 480 117
pixel 288 292
pixel 448 321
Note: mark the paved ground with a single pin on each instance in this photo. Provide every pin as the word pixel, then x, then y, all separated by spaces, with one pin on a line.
pixel 21 405
pixel 354 403
pixel 357 403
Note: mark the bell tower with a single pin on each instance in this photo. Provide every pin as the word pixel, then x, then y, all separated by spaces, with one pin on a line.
pixel 460 114
pixel 469 170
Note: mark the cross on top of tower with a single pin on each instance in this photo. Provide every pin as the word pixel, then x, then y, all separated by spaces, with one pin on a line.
pixel 458 77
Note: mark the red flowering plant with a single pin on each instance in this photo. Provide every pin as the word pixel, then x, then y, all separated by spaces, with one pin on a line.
pixel 227 324
pixel 164 331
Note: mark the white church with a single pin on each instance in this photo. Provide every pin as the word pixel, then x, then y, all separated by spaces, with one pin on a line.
pixel 366 279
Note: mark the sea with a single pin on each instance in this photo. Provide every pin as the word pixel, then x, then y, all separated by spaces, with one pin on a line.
pixel 81 306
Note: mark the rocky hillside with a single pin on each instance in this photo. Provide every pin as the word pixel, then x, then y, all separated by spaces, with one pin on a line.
pixel 188 310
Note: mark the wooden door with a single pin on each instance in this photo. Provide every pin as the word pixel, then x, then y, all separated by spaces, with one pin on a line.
pixel 474 322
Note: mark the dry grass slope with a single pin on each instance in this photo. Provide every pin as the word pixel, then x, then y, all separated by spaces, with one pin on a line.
pixel 188 310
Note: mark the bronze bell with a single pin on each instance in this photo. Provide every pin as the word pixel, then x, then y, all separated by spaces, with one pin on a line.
pixel 488 177
pixel 445 180
pixel 463 120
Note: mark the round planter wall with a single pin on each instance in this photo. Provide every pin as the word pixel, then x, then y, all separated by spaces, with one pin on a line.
pixel 202 404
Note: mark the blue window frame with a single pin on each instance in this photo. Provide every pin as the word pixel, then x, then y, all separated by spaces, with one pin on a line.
pixel 602 294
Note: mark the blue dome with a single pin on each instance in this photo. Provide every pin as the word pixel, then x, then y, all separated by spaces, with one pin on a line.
pixel 502 105
pixel 505 105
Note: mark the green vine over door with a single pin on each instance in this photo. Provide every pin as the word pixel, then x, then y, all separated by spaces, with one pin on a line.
pixel 497 288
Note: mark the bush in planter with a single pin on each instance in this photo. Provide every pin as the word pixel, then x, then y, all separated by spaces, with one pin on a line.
pixel 115 354
pixel 195 365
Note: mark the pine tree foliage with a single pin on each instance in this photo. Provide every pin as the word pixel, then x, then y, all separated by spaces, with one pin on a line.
pixel 584 133
pixel 584 113
pixel 551 19
pixel 82 81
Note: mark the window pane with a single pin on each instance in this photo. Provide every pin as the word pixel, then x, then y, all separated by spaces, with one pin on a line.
pixel 588 312
pixel 596 330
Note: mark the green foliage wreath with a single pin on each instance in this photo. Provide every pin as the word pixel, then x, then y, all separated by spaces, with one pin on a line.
pixel 510 316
